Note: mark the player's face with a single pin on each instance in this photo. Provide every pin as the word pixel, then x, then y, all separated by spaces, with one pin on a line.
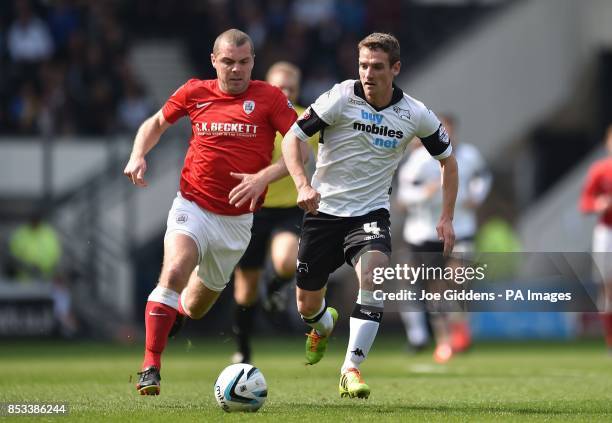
pixel 287 82
pixel 233 65
pixel 376 74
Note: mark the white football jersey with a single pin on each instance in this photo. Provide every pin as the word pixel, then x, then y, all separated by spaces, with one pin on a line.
pixel 423 211
pixel 361 146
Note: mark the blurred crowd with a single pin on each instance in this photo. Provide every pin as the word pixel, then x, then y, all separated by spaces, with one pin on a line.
pixel 320 36
pixel 64 69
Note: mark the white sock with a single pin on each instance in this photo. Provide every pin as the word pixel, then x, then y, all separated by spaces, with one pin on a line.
pixel 165 296
pixel 322 321
pixel 183 308
pixel 364 323
pixel 416 327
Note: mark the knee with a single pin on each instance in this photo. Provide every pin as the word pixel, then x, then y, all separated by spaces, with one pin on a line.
pixel 246 296
pixel 284 254
pixel 308 306
pixel 174 277
pixel 193 309
pixel 245 287
pixel 285 265
pixel 367 269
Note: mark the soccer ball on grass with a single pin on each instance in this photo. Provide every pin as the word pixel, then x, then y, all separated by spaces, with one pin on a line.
pixel 240 387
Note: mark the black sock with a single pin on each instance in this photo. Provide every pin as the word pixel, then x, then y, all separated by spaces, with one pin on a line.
pixel 273 281
pixel 243 327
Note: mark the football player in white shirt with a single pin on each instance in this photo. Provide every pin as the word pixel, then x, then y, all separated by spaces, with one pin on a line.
pixel 419 192
pixel 365 126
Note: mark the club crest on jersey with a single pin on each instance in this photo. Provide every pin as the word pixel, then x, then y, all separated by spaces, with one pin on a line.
pixel 356 101
pixel 402 113
pixel 248 106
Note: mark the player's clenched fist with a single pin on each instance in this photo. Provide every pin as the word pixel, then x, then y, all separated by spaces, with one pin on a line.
pixel 135 170
pixel 308 199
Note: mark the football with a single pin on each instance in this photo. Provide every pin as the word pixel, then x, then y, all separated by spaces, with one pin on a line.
pixel 241 387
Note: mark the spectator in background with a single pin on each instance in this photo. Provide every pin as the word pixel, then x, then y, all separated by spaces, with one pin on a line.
pixel 351 15
pixel 314 12
pixel 254 22
pixel 134 107
pixel 64 20
pixel 35 250
pixel 420 192
pixel 35 255
pixel 497 235
pixel 276 17
pixel 53 99
pixel 29 39
pixel 62 72
pixel 597 198
pixel 24 108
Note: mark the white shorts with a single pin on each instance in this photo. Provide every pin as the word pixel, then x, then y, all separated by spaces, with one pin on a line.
pixel 221 240
pixel 602 251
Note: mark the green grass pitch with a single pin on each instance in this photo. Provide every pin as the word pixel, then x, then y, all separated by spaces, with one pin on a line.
pixel 502 382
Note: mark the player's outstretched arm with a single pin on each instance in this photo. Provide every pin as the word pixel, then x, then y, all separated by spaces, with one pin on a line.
pixel 450 178
pixel 308 197
pixel 252 185
pixel 146 138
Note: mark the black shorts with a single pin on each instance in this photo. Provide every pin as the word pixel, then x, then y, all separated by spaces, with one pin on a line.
pixel 329 241
pixel 267 222
pixel 430 253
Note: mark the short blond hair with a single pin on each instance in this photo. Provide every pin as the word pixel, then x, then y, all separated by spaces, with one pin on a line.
pixel 234 37
pixel 382 41
pixel 285 67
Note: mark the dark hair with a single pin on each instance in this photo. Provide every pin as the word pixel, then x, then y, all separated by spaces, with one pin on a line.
pixel 235 37
pixel 381 41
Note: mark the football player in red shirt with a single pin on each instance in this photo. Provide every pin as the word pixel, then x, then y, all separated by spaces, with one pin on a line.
pixel 597 198
pixel 227 167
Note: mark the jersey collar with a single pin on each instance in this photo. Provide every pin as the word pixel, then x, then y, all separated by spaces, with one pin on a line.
pixel 397 95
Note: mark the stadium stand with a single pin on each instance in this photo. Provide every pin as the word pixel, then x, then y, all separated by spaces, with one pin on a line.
pixel 99 59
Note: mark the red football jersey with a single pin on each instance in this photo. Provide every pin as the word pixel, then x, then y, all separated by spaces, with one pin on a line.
pixel 599 182
pixel 230 133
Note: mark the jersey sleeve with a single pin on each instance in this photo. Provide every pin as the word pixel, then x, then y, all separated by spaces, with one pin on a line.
pixel 433 135
pixel 308 124
pixel 590 191
pixel 282 114
pixel 322 113
pixel 480 179
pixel 412 182
pixel 176 106
pixel 329 105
